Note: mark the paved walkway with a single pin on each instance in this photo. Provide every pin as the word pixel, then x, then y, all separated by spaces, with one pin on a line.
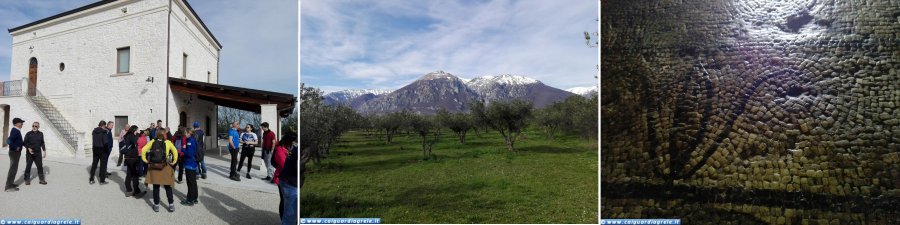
pixel 69 195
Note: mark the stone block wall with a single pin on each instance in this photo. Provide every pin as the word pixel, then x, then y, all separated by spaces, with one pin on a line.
pixel 751 112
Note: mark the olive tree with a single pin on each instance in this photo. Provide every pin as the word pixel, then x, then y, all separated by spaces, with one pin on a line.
pixel 550 119
pixel 508 117
pixel 426 127
pixel 459 123
pixel 391 123
pixel 321 125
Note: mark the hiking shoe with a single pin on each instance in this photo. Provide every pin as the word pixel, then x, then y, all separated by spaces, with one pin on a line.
pixel 248 176
pixel 27 182
pixel 43 182
pixel 156 208
pixel 171 207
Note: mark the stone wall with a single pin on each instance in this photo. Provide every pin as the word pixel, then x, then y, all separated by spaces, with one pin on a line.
pixel 88 89
pixel 751 112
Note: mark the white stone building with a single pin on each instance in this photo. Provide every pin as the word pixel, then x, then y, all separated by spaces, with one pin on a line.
pixel 130 60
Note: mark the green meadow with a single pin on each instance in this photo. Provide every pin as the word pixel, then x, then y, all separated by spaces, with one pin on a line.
pixel 544 181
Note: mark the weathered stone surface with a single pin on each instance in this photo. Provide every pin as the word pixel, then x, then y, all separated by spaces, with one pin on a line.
pixel 790 96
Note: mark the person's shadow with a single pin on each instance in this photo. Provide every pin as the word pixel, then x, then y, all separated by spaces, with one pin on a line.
pixel 115 177
pixel 34 175
pixel 216 203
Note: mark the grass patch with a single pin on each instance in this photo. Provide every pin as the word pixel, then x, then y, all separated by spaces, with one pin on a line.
pixel 545 181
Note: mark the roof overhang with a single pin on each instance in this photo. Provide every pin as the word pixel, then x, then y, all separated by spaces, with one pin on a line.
pixel 103 3
pixel 235 97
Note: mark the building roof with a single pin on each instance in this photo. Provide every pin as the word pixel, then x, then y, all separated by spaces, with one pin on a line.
pixel 235 97
pixel 104 2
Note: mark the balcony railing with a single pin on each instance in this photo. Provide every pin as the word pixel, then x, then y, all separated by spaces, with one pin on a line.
pixel 11 88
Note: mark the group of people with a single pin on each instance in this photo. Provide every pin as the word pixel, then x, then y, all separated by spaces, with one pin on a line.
pixel 155 153
pixel 35 152
pixel 245 144
pixel 279 158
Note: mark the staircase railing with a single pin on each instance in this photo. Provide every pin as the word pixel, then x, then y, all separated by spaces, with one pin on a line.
pixel 56 118
pixel 11 88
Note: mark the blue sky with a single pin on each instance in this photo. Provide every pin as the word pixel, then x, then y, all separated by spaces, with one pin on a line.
pixel 259 40
pixel 353 44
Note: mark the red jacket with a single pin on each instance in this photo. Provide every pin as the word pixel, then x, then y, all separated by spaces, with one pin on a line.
pixel 280 155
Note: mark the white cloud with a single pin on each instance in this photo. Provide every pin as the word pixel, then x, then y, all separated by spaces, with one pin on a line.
pixel 17 13
pixel 539 39
pixel 259 42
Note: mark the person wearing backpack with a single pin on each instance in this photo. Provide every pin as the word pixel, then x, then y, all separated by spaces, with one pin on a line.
pixel 248 149
pixel 100 145
pixel 201 147
pixel 161 172
pixel 15 143
pixel 190 166
pixel 132 162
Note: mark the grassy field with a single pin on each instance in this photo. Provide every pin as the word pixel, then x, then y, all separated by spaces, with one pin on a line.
pixel 546 181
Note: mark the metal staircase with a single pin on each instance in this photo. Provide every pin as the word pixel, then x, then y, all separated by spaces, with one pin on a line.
pixel 56 118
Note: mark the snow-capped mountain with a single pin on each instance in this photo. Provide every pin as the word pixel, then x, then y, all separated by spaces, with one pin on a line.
pixel 508 87
pixel 347 97
pixel 427 94
pixel 440 89
pixel 584 91
pixel 505 79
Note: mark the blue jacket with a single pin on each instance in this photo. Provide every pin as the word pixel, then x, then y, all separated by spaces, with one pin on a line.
pixel 190 158
pixel 15 140
pixel 153 133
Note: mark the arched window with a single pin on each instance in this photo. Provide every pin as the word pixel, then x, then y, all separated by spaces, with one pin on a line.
pixel 32 76
pixel 207 130
pixel 182 119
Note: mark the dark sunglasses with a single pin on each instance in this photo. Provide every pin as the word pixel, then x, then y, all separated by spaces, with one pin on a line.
pixel 35 126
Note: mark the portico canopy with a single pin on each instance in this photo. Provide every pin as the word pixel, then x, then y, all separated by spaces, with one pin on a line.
pixel 235 97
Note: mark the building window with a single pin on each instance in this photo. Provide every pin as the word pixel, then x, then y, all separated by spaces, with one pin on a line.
pixel 124 60
pixel 62 66
pixel 121 121
pixel 182 119
pixel 207 126
pixel 208 77
pixel 184 66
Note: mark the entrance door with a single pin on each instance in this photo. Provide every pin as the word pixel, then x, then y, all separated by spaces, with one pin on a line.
pixel 5 123
pixel 32 77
